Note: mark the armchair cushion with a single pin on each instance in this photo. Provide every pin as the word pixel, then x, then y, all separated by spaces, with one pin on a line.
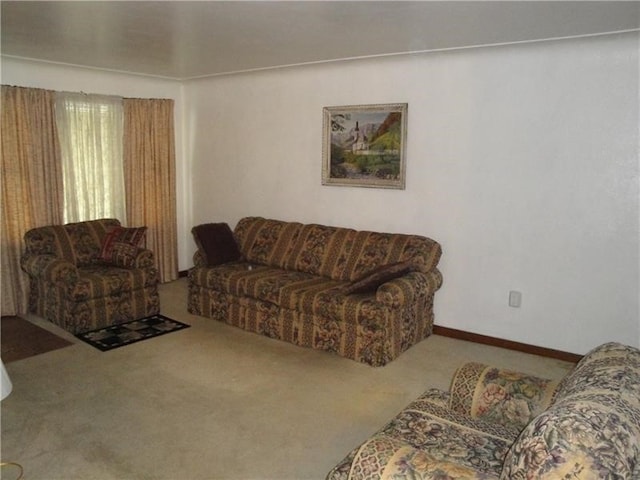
pixel 498 395
pixel 99 281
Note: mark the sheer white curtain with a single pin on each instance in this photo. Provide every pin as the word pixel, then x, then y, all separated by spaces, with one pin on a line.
pixel 90 129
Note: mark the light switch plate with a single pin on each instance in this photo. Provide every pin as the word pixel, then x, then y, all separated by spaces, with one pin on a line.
pixel 515 299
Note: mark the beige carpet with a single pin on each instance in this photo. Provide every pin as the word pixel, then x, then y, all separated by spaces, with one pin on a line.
pixel 213 402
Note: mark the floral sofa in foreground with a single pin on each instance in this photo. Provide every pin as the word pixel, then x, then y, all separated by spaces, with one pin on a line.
pixel 364 295
pixel 499 424
pixel 89 275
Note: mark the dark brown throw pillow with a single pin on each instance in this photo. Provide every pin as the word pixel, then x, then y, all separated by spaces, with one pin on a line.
pixel 217 242
pixel 132 236
pixel 372 280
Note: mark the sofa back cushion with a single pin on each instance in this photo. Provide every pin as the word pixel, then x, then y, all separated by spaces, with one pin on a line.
pixel 333 252
pixel 593 427
pixel 264 241
pixel 79 243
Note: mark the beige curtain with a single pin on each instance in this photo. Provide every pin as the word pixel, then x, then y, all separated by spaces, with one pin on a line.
pixel 31 182
pixel 150 178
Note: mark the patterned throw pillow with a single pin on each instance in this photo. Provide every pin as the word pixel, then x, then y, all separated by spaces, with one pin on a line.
pixel 123 255
pixel 372 280
pixel 129 236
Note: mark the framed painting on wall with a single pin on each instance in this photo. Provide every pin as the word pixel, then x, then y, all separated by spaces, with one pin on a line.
pixel 364 145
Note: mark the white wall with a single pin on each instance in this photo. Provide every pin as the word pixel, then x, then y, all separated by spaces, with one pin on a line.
pixel 522 161
pixel 49 76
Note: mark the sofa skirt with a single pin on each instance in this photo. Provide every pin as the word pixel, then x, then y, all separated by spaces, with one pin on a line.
pixel 374 343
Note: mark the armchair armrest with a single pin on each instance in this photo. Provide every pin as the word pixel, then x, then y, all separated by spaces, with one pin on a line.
pixel 402 290
pixel 50 268
pixel 502 396
pixel 144 258
pixel 125 255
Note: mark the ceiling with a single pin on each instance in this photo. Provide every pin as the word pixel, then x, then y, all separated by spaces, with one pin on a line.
pixel 185 40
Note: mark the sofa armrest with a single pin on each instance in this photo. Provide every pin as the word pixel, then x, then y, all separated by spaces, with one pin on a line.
pixel 498 395
pixel 199 259
pixel 50 268
pixel 593 427
pixel 403 290
pixel 575 439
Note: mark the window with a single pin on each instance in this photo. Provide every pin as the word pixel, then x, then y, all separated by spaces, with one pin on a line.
pixel 90 129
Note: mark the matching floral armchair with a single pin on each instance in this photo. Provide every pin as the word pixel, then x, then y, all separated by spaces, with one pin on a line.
pixel 88 275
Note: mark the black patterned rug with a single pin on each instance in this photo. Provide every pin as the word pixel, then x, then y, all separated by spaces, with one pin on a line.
pixel 127 333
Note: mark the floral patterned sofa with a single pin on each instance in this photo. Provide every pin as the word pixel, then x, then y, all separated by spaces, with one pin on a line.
pixel 89 275
pixel 499 424
pixel 364 295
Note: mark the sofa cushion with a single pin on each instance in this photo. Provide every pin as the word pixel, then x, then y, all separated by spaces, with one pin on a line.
pixel 266 242
pixel 372 249
pixel 373 279
pixel 326 301
pixel 217 242
pixel 428 441
pixel 261 282
pixel 346 254
pixel 226 278
pixel 407 462
pixel 499 395
pixel 283 287
pixel 321 250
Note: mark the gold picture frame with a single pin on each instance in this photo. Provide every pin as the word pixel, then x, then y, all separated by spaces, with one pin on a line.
pixel 364 145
